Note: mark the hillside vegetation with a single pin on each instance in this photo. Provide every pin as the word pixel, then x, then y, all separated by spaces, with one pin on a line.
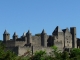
pixel 40 55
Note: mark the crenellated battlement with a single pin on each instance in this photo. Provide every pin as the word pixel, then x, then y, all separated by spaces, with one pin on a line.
pixel 62 38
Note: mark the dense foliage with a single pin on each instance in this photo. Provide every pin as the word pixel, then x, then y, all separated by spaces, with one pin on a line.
pixel 6 55
pixel 40 55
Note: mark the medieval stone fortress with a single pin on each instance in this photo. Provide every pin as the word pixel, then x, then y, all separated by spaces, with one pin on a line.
pixel 62 38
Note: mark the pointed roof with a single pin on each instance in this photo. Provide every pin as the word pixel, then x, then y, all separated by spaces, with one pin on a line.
pixel 14 34
pixel 57 29
pixel 5 32
pixel 28 31
pixel 24 34
pixel 67 29
pixel 64 30
pixel 43 31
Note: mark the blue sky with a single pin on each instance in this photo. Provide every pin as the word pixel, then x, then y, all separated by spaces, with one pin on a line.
pixel 35 15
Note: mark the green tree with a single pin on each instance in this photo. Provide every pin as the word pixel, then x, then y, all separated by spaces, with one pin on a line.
pixel 6 55
pixel 38 55
pixel 75 54
pixel 65 55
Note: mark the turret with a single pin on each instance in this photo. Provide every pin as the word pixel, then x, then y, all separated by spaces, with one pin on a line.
pixel 24 34
pixel 74 39
pixel 43 38
pixel 58 38
pixel 24 37
pixel 15 36
pixel 29 37
pixel 6 36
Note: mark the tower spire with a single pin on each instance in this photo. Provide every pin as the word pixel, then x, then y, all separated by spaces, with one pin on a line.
pixel 28 31
pixel 24 34
pixel 43 31
pixel 5 32
pixel 14 34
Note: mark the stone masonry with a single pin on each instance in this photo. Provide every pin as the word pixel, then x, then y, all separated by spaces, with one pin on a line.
pixel 62 38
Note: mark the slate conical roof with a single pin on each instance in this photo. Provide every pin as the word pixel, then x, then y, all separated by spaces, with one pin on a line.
pixel 57 29
pixel 24 34
pixel 5 32
pixel 43 31
pixel 14 34
pixel 28 31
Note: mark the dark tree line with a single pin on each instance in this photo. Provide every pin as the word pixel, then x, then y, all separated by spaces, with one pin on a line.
pixel 40 55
